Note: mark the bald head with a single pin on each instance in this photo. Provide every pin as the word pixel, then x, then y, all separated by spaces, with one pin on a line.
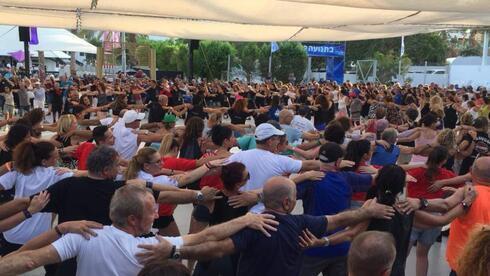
pixel 279 194
pixel 480 170
pixel 372 253
pixel 285 116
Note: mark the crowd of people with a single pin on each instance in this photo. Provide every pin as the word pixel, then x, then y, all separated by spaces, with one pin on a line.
pixel 91 171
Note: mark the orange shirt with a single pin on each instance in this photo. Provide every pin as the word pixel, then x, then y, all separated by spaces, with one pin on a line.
pixel 462 227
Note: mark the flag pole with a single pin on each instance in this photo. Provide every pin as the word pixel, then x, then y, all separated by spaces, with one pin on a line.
pixel 270 65
pixel 402 51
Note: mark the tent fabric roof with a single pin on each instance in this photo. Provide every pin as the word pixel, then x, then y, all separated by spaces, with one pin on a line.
pixel 49 40
pixel 252 20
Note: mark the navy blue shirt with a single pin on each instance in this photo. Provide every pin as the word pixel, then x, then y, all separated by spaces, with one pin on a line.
pixel 280 254
pixel 329 196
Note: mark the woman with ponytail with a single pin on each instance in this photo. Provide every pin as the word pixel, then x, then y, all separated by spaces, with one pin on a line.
pixel 423 188
pixel 33 171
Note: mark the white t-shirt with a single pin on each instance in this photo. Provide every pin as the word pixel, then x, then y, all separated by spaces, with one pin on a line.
pixel 112 252
pixel 302 124
pixel 335 95
pixel 161 179
pixel 125 142
pixel 26 185
pixel 39 94
pixel 262 165
pixel 107 121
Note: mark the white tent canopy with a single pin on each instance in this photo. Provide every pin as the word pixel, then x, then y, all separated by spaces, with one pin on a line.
pixel 50 40
pixel 252 20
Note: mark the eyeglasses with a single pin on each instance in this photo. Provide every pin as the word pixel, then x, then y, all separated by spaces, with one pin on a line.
pixel 155 162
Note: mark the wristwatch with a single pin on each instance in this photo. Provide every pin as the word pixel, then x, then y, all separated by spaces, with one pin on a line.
pixel 199 196
pixel 176 255
pixel 327 241
pixel 423 203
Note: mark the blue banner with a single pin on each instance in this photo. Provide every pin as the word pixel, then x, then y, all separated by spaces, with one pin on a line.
pixel 335 69
pixel 324 50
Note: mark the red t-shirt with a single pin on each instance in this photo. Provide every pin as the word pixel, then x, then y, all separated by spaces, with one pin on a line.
pixel 213 180
pixel 178 164
pixel 361 196
pixel 419 189
pixel 81 154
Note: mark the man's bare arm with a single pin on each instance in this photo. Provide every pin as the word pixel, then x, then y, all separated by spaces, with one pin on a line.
pixel 208 250
pixel 262 222
pixel 28 260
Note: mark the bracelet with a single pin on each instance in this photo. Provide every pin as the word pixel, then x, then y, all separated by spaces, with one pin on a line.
pixel 149 185
pixel 172 252
pixel 27 214
pixel 58 231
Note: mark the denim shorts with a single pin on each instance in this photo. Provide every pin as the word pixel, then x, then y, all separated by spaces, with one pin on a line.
pixel 426 237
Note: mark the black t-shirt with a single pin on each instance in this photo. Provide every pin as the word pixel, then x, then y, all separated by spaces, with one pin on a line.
pixel 324 116
pixel 156 112
pixel 238 118
pixel 400 226
pixel 280 254
pixel 82 198
pixel 223 212
pixel 450 117
pixel 151 94
pixel 482 147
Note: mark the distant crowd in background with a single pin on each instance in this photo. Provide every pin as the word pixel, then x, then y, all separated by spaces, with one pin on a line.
pixel 380 168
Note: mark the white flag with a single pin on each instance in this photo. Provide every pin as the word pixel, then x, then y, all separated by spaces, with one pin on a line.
pixel 402 48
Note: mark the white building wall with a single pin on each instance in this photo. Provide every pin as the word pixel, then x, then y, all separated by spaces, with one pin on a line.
pixel 474 75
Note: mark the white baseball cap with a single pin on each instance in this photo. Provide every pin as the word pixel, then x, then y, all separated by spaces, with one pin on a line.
pixel 266 130
pixel 131 116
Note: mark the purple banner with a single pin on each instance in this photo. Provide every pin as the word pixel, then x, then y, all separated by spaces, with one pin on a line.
pixel 19 55
pixel 34 39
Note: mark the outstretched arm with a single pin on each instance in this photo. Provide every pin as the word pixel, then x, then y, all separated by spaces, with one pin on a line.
pixel 262 222
pixel 28 260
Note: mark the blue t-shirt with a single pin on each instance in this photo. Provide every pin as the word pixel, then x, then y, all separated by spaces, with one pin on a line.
pixel 280 254
pixel 383 157
pixel 330 196
pixel 293 134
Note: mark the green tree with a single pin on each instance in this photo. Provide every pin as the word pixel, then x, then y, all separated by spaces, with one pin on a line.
pixel 365 49
pixel 248 56
pixel 211 59
pixel 264 53
pixel 388 65
pixel 431 47
pixel 290 58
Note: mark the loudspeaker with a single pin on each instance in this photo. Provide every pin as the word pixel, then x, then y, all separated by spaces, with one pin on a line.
pixel 194 44
pixel 24 34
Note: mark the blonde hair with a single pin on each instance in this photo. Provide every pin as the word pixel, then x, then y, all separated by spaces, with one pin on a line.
pixel 166 144
pixel 436 105
pixel 447 138
pixel 466 119
pixel 138 161
pixel 64 123
pixel 475 257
